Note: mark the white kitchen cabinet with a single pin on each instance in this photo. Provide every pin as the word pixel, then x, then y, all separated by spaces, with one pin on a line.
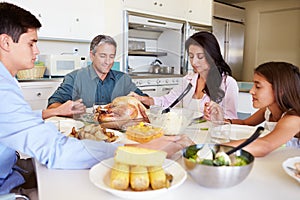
pixel 196 11
pixel 165 8
pixel 67 20
pixel 36 93
pixel 199 11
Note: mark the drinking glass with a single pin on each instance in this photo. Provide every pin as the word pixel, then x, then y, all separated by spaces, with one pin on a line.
pixel 219 131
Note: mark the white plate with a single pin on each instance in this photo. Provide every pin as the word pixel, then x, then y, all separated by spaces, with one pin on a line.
pixel 65 125
pixel 99 176
pixel 197 115
pixel 290 163
pixel 243 131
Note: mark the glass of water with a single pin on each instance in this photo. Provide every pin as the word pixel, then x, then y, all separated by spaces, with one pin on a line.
pixel 219 131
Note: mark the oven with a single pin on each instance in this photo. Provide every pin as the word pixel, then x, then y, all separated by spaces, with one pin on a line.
pixel 156 86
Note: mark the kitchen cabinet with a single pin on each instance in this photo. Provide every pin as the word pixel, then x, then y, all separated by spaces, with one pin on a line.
pixel 165 8
pixel 65 20
pixel 199 11
pixel 36 93
pixel 196 11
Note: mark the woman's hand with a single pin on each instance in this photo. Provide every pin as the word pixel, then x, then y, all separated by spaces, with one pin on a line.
pixel 135 95
pixel 144 99
pixel 213 111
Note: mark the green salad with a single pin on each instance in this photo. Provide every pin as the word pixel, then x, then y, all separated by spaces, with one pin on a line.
pixel 221 159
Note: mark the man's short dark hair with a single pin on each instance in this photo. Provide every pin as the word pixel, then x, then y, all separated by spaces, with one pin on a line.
pixel 14 21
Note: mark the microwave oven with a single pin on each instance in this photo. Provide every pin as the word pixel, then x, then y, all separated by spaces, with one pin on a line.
pixel 60 65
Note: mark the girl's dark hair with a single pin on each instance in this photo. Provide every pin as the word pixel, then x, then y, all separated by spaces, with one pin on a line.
pixel 218 66
pixel 14 21
pixel 285 80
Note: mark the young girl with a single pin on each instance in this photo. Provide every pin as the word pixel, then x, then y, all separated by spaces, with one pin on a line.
pixel 276 92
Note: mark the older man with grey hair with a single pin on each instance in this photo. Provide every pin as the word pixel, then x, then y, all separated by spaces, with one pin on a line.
pixel 97 82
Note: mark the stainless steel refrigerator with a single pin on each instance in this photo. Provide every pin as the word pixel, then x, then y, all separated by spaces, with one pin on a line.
pixel 228 27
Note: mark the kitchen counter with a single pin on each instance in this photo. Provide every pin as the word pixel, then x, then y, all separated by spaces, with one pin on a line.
pixel 60 79
pixel 245 86
pixel 266 176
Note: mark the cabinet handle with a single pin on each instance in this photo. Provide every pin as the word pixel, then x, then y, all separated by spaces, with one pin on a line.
pixel 190 11
pixel 38 94
pixel 155 3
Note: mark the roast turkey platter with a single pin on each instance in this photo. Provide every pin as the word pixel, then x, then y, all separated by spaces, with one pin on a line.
pixel 121 112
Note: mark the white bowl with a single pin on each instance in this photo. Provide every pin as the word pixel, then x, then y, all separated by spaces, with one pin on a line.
pixel 173 122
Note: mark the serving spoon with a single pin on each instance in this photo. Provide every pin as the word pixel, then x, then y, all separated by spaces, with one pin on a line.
pixel 186 90
pixel 253 137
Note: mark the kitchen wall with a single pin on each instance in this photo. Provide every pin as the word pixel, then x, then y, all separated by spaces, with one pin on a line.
pixel 272 33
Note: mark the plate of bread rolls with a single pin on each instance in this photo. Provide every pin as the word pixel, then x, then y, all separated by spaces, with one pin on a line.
pixel 137 173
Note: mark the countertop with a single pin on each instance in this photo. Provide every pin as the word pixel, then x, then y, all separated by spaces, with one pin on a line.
pixel 244 86
pixel 41 79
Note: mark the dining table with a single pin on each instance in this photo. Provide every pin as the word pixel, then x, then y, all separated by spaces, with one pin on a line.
pixel 266 180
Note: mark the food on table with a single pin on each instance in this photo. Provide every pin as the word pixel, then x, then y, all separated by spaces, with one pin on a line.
pixel 94 132
pixel 173 122
pixel 158 178
pixel 143 132
pixel 139 178
pixel 139 156
pixel 121 108
pixel 220 159
pixel 297 166
pixel 142 167
pixel 119 176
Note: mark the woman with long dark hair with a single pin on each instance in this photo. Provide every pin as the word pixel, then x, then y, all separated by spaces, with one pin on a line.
pixel 211 79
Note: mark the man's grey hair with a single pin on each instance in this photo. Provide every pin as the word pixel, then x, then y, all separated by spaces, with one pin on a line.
pixel 101 39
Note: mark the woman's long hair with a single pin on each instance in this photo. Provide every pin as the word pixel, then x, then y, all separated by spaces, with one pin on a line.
pixel 218 67
pixel 285 80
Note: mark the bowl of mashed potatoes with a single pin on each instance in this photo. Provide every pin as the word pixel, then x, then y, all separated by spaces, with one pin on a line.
pixel 173 122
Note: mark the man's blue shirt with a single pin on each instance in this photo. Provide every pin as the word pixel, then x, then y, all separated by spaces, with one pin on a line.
pixel 86 85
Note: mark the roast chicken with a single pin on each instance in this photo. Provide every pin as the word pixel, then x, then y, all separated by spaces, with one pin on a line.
pixel 120 111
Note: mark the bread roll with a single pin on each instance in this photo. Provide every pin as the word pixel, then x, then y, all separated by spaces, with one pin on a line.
pixel 157 178
pixel 139 156
pixel 139 178
pixel 119 177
